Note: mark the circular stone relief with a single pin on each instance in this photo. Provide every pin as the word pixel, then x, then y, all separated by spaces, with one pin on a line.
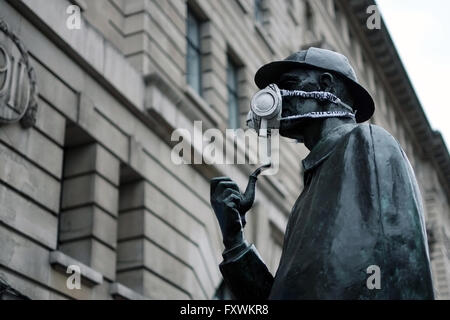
pixel 17 84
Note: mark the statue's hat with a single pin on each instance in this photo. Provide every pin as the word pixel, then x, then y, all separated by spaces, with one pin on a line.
pixel 326 60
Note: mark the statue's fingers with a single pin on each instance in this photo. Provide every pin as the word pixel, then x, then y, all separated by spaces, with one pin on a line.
pixel 229 191
pixel 215 181
pixel 223 185
pixel 232 201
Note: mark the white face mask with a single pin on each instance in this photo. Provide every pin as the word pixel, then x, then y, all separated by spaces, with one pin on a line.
pixel 266 106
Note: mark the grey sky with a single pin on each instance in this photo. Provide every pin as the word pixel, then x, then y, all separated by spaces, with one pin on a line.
pixel 421 32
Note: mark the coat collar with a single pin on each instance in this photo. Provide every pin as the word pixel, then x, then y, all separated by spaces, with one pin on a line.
pixel 325 146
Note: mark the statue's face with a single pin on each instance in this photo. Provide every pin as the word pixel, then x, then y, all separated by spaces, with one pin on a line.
pixel 298 79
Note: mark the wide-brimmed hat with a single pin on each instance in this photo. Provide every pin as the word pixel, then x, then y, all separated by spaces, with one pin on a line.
pixel 326 60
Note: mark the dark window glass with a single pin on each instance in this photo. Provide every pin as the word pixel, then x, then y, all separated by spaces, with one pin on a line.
pixel 193 67
pixel 259 11
pixel 309 15
pixel 233 98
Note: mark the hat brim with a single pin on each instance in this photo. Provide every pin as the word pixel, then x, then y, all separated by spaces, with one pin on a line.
pixel 363 102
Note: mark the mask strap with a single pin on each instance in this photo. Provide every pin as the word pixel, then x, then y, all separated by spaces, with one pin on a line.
pixel 322 114
pixel 318 95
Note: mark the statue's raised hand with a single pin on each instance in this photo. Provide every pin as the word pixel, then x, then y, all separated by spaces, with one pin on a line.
pixel 225 200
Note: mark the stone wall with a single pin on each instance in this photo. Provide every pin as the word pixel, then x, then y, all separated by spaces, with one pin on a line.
pixel 92 184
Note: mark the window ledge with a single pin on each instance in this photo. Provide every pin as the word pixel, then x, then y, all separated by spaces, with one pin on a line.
pixel 81 3
pixel 120 292
pixel 61 262
pixel 203 106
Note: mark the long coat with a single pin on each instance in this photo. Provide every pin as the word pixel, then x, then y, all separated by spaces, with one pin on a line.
pixel 360 207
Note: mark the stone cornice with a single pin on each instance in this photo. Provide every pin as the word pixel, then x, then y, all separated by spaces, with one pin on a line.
pixel 383 54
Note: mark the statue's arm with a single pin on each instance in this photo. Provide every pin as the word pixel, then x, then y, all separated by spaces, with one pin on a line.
pixel 243 269
pixel 245 273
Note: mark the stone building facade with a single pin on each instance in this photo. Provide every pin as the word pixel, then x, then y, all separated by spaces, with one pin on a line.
pixel 91 187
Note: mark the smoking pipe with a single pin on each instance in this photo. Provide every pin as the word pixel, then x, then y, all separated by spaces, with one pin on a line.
pixel 249 195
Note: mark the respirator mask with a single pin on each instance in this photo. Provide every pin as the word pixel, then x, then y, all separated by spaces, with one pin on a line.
pixel 266 107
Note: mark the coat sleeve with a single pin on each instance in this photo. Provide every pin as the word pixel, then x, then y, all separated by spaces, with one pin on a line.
pixel 247 276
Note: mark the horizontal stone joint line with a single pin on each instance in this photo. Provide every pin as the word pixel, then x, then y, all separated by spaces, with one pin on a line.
pixel 29 198
pixel 137 268
pixel 33 162
pixel 111 122
pixel 6 226
pixel 146 209
pixel 32 280
pixel 88 237
pixel 176 177
pixel 44 66
pixel 88 173
pixel 132 238
pixel 131 210
pixel 88 204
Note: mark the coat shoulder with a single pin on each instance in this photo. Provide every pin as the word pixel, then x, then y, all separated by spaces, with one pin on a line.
pixel 375 135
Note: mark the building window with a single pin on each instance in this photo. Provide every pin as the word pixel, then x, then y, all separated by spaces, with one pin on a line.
pixel 309 16
pixel 193 63
pixel 233 97
pixel 259 11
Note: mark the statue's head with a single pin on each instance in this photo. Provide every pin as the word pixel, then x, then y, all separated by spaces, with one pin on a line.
pixel 315 70
pixel 309 79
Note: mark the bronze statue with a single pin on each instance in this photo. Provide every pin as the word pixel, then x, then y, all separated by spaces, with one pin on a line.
pixel 360 205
